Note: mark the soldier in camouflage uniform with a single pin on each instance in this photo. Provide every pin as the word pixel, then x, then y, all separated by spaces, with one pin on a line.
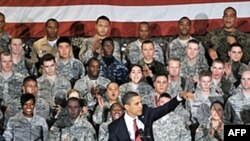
pixel 178 45
pixel 170 127
pixel 116 111
pixel 92 84
pixel 67 65
pixel 138 85
pixel 72 127
pixel 160 86
pixel 133 51
pixel 26 125
pixel 92 46
pixel 193 63
pixel 237 108
pixel 50 84
pixel 217 42
pixel 4 36
pixel 41 107
pixel 10 81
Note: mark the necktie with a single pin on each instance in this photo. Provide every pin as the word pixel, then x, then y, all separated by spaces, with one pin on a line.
pixel 137 135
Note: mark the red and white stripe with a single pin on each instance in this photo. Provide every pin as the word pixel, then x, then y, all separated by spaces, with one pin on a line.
pixel 125 15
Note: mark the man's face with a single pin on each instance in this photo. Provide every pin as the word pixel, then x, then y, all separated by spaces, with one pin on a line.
pixel 116 112
pixel 49 67
pixel 6 63
pixel 174 68
pixel 229 19
pixel 52 29
pixel 30 87
pixel 16 46
pixel 113 91
pixel 161 84
pixel 136 74
pixel 235 54
pixel 192 50
pixel 2 23
pixel 184 27
pixel 162 101
pixel 217 70
pixel 94 68
pixel 148 51
pixel 73 108
pixel 28 108
pixel 64 50
pixel 144 31
pixel 134 108
pixel 108 48
pixel 102 27
pixel 205 83
pixel 245 80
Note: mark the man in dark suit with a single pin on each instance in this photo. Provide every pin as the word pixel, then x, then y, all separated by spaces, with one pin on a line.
pixel 136 123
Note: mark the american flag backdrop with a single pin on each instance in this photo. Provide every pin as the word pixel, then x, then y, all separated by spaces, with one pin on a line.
pixel 27 17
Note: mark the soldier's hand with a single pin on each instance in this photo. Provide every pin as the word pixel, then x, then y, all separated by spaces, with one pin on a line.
pixel 96 45
pixel 212 53
pixel 100 101
pixel 187 95
pixel 228 70
pixel 95 91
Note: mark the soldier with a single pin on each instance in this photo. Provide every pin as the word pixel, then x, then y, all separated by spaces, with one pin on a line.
pixel 238 106
pixel 67 65
pixel 92 46
pixel 4 36
pixel 116 111
pixel 112 68
pixel 178 45
pixel 26 125
pixel 217 42
pixel 170 127
pixel 10 81
pixel 73 127
pixel 50 84
pixel 133 51
pixel 92 84
pixel 160 86
pixel 138 85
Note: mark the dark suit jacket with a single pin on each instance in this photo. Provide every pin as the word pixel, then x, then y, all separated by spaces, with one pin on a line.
pixel 118 130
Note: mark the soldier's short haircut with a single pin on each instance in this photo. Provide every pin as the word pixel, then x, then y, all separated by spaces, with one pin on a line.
pixel 93 59
pixel 217 102
pixel 47 57
pixel 217 60
pixel 74 99
pixel 145 23
pixel 147 42
pixel 193 41
pixel 63 40
pixel 126 99
pixel 107 39
pixel 159 75
pixel 5 53
pixel 174 59
pixel 236 45
pixel 166 95
pixel 205 73
pixel 182 18
pixel 28 79
pixel 26 97
pixel 102 18
pixel 51 20
pixel 235 12
pixel 114 105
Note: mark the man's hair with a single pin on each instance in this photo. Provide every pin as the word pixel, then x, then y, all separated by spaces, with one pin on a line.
pixel 235 12
pixel 115 104
pixel 217 60
pixel 1 14
pixel 205 73
pixel 5 53
pixel 236 45
pixel 126 99
pixel 102 18
pixel 51 20
pixel 28 79
pixel 47 57
pixel 26 97
pixel 159 75
pixel 182 18
pixel 166 95
pixel 193 41
pixel 147 42
pixel 74 99
pixel 141 23
pixel 107 39
pixel 93 59
pixel 174 59
pixel 63 40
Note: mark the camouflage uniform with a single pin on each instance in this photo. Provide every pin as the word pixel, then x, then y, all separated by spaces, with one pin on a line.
pixel 20 67
pixel 19 128
pixel 10 88
pixel 80 130
pixel 236 70
pixel 102 114
pixel 177 48
pixel 86 52
pixel 170 127
pixel 103 134
pixel 4 40
pixel 134 55
pixel 143 89
pixel 77 41
pixel 217 40
pixel 174 88
pixel 116 71
pixel 84 85
pixel 237 108
pixel 73 70
pixel 49 91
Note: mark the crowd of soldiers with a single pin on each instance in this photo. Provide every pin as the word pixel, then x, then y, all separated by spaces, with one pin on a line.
pixel 70 89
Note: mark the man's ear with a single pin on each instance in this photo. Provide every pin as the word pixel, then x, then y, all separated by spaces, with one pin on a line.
pixel 126 106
